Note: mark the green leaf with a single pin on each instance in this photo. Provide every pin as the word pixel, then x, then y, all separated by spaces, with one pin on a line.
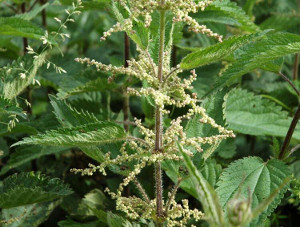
pixel 93 152
pixel 28 188
pixel 26 154
pixel 30 215
pixel 141 34
pixel 8 107
pixel 194 128
pixel 85 135
pixel 114 220
pixel 259 55
pixel 250 114
pixel 262 178
pixel 280 22
pixel 100 84
pixel 94 204
pixel 205 193
pixel 23 127
pixel 209 169
pixel 19 27
pixel 248 7
pixel 265 203
pixel 231 10
pixel 218 51
pixel 12 84
pixel 69 116
pixel 173 32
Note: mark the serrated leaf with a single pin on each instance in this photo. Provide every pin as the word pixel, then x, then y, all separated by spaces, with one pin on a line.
pixel 28 188
pixel 250 114
pixel 205 193
pixel 280 22
pixel 209 169
pixel 262 178
pixel 114 220
pixel 19 27
pixel 69 116
pixel 8 107
pixel 13 85
pixel 100 84
pixel 30 215
pixel 260 55
pixel 218 51
pixel 26 154
pixel 141 34
pixel 94 204
pixel 266 202
pixel 194 128
pixel 23 127
pixel 173 33
pixel 84 135
pixel 232 10
pixel 93 152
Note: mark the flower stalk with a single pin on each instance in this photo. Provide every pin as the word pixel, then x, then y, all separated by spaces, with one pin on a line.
pixel 159 120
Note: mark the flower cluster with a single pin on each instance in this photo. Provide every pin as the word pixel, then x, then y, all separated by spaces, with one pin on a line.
pixel 145 8
pixel 136 208
pixel 181 9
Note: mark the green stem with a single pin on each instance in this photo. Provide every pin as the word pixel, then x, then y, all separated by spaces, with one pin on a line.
pixel 168 205
pixel 159 123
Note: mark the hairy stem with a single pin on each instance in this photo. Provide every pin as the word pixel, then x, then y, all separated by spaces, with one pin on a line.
pixel 142 190
pixel 159 122
pixel 289 134
pixel 290 83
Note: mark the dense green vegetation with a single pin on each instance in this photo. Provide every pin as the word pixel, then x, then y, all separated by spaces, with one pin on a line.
pixel 149 113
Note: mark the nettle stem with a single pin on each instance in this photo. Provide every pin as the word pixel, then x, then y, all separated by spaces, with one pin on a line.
pixel 287 140
pixel 159 122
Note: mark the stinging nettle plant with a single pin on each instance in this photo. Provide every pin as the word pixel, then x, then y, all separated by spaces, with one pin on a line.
pixel 165 88
pixel 248 190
